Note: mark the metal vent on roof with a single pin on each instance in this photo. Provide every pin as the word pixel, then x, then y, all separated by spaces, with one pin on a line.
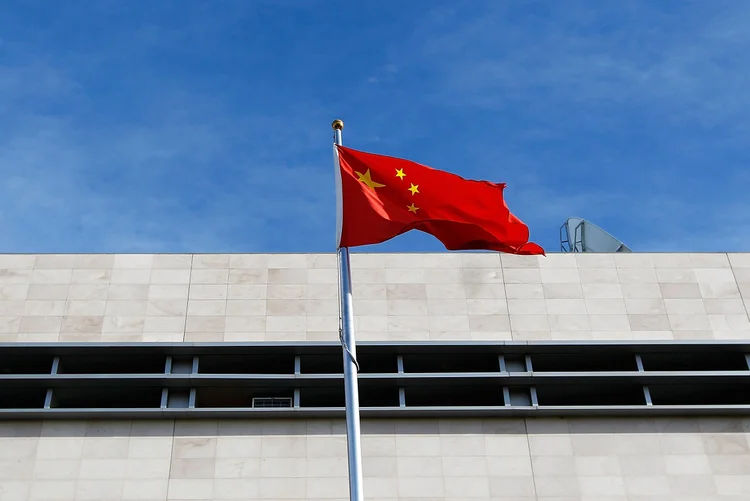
pixel 271 402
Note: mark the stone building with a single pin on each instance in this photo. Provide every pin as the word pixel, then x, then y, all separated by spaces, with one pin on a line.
pixel 571 377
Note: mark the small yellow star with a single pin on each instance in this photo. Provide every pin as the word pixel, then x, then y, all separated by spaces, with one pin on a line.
pixel 412 208
pixel 400 173
pixel 367 179
pixel 414 189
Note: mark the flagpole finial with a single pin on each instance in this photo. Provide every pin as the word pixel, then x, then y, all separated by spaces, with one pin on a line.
pixel 338 124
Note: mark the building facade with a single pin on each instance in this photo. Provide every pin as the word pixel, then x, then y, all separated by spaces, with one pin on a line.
pixel 571 377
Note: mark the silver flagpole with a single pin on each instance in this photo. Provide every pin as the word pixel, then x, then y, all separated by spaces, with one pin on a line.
pixel 346 335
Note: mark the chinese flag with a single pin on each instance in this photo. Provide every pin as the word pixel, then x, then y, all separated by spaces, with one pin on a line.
pixel 382 197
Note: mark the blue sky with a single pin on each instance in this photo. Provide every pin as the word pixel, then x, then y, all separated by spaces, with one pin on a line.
pixel 204 126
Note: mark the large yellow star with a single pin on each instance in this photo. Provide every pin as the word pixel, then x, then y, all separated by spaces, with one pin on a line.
pixel 414 188
pixel 367 179
pixel 412 208
pixel 400 173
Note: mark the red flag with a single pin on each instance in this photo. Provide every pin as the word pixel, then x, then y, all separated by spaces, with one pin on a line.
pixel 382 197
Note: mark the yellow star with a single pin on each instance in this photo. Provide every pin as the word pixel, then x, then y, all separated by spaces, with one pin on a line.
pixel 400 173
pixel 414 189
pixel 367 179
pixel 412 208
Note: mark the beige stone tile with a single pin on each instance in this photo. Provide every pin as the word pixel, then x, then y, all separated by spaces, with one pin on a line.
pixel 248 260
pixel 560 276
pixel 140 447
pixel 406 307
pixel 15 308
pixel 82 324
pixel 207 307
pixel 249 292
pixel 680 291
pixel 521 276
pixel 375 467
pixel 329 260
pixel 282 488
pixel 9 325
pixel 692 485
pixel 322 276
pixel 585 260
pixel 145 490
pixel 15 276
pixel 502 488
pixel 676 275
pixel 719 290
pixel 168 292
pixel 121 324
pixel 193 468
pixel 284 447
pixel 637 275
pixel 598 276
pixel 684 306
pixel 209 277
pixel 444 276
pixel 641 291
pixel 126 308
pixel 56 469
pixel 17 261
pixel 236 489
pixel 466 488
pixel 605 306
pixel 194 447
pixel 239 447
pixel 566 306
pixel 280 291
pixel 530 323
pixel 16 292
pixel 210 261
pixel 244 276
pixel 420 487
pixel 476 323
pixel 724 306
pixel 185 489
pixel 287 276
pixel 164 325
pixel 241 307
pixel 91 276
pixel 126 292
pixel 166 307
pixel 368 276
pixel 508 466
pixel 481 259
pixel 130 276
pixel 205 324
pixel 484 307
pixel 52 490
pixel 45 276
pixel 573 322
pixel 44 308
pixel 85 308
pixel 527 306
pixel 362 307
pixel 238 467
pixel 286 323
pixel 245 324
pixel 86 292
pixel 562 291
pixel 283 467
pixel 516 261
pixel 286 307
pixel 689 322
pixel 170 276
pixel 54 261
pixel 171 261
pixel 40 325
pixel 133 261
pixel 101 468
pixel 148 468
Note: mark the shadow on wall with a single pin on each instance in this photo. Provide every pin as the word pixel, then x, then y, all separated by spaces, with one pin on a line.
pixel 323 427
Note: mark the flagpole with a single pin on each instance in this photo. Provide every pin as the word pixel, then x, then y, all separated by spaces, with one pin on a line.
pixel 349 345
